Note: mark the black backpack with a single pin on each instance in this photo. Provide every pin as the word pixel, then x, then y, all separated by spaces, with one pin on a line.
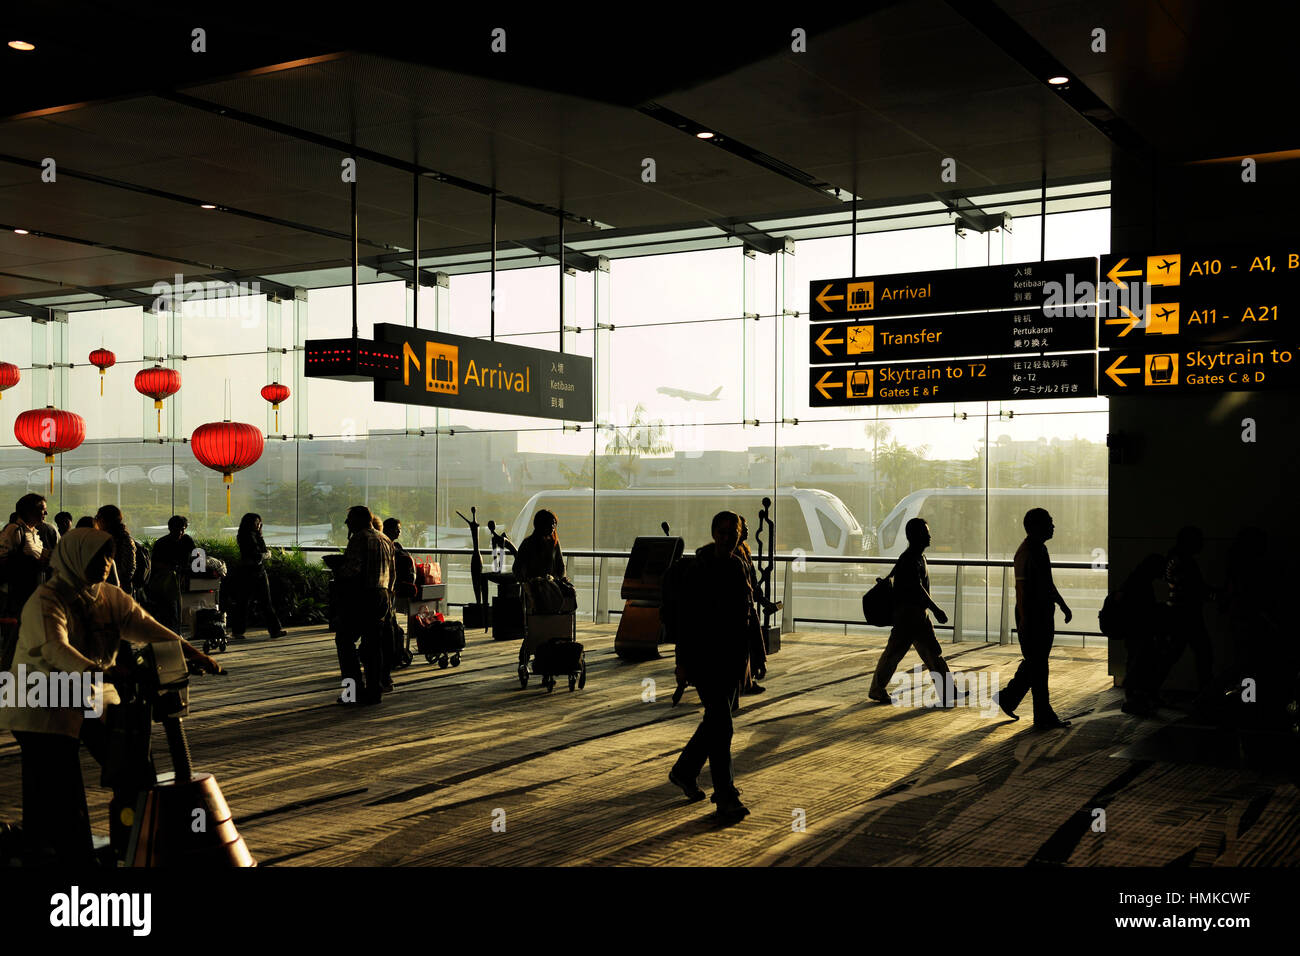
pixel 1110 617
pixel 878 603
pixel 678 598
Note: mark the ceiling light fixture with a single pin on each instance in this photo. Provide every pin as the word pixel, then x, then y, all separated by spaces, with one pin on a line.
pixel 21 45
pixel 1058 80
pixel 21 232
pixel 704 134
pixel 206 205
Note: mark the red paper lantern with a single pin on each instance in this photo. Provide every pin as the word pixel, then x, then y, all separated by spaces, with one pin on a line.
pixel 157 383
pixel 9 376
pixel 103 360
pixel 227 447
pixel 50 431
pixel 275 393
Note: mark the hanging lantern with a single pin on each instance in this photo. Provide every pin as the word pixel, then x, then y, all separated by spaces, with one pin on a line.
pixel 50 431
pixel 227 447
pixel 275 393
pixel 9 376
pixel 103 360
pixel 157 383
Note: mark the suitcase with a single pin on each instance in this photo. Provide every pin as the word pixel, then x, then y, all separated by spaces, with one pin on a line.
pixel 561 657
pixel 507 618
pixel 440 640
pixel 210 628
pixel 477 615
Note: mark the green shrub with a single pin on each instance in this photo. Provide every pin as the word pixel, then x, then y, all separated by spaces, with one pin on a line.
pixel 299 587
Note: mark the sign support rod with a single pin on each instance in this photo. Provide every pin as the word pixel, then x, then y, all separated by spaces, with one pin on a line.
pixel 561 218
pixel 492 288
pixel 415 245
pixel 354 257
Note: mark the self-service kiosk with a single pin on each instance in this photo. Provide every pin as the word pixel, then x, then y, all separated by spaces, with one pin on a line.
pixel 639 630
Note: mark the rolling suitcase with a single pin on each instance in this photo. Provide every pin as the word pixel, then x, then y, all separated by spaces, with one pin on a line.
pixel 210 628
pixel 561 657
pixel 507 617
pixel 439 640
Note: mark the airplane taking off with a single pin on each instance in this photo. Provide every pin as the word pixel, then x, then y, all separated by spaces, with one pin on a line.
pixel 1165 264
pixel 690 396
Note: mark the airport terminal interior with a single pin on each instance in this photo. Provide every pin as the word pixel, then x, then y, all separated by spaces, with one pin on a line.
pixel 843 273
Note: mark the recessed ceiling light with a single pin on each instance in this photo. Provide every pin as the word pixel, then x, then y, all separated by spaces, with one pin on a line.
pixel 21 232
pixel 21 45
pixel 704 134
pixel 207 205
pixel 1058 80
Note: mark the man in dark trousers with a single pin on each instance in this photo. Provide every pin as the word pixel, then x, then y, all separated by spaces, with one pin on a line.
pixel 712 653
pixel 1036 601
pixel 364 573
pixel 1188 594
pixel 912 627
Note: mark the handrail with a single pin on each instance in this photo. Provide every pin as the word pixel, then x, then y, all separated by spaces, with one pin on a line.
pixel 784 558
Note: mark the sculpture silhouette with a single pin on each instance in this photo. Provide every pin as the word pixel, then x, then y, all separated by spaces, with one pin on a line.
pixel 478 582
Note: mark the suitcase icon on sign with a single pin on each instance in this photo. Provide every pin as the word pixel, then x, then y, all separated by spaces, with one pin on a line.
pixel 860 296
pixel 442 371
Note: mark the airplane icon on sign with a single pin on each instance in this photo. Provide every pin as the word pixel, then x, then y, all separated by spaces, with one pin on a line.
pixel 1165 265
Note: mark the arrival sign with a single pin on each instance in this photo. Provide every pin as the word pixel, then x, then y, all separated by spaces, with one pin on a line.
pixel 454 371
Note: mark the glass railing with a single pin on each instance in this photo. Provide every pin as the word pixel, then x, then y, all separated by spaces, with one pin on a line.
pixel 978 595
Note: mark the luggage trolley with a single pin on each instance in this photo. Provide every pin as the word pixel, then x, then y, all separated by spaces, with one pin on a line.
pixel 551 640
pixel 202 619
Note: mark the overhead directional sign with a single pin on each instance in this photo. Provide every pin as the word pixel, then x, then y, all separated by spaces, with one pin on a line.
pixel 1027 285
pixel 453 371
pixel 1179 270
pixel 963 380
pixel 1206 319
pixel 1208 368
pixel 1026 331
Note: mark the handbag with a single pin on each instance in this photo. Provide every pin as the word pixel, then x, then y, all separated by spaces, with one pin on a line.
pixel 878 603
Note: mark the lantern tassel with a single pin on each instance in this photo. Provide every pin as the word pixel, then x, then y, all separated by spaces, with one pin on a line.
pixel 228 479
pixel 101 383
pixel 277 419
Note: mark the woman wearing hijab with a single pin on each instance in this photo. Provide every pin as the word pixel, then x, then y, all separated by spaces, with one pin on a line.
pixel 74 623
pixel 253 583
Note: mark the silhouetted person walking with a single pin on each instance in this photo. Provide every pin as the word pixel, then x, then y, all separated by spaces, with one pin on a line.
pixel 364 573
pixel 712 652
pixel 912 627
pixel 757 649
pixel 173 556
pixel 1188 594
pixel 1142 626
pixel 1036 601
pixel 23 556
pixel 109 518
pixel 253 582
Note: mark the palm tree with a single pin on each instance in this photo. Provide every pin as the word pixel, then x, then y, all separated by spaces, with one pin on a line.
pixel 640 436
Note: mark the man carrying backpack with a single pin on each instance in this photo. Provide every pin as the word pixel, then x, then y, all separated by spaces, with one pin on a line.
pixel 712 654
pixel 911 624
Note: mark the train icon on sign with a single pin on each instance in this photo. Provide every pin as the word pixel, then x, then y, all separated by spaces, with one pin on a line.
pixel 860 383
pixel 1162 369
pixel 862 296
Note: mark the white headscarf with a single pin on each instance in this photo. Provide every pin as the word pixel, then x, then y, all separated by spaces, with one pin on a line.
pixel 72 555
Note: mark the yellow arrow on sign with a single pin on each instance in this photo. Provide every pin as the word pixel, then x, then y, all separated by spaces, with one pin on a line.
pixel 822 385
pixel 1114 274
pixel 1115 371
pixel 823 298
pixel 1129 324
pixel 823 341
